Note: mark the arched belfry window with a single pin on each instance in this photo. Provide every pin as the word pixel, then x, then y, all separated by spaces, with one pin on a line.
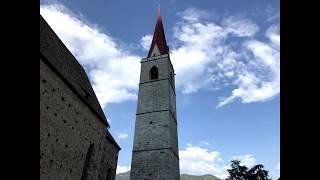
pixel 154 73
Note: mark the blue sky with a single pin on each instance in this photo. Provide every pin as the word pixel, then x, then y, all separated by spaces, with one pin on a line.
pixel 226 57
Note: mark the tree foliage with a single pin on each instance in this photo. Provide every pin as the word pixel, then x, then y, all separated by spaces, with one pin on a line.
pixel 238 172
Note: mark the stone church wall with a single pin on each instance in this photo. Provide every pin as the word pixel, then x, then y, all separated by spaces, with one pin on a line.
pixel 68 129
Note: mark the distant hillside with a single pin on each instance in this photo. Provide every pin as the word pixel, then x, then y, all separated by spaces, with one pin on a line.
pixel 123 176
pixel 193 177
pixel 126 176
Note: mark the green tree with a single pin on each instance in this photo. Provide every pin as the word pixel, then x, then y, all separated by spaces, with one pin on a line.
pixel 238 172
pixel 258 173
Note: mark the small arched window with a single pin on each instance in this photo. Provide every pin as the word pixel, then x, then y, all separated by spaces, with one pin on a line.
pixel 154 73
pixel 108 176
pixel 87 162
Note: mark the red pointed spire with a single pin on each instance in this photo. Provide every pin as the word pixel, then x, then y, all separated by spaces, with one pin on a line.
pixel 159 37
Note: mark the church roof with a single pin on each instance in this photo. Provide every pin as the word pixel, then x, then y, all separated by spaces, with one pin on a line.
pixel 159 38
pixel 60 59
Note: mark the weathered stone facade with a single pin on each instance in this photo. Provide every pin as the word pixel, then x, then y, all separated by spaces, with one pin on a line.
pixel 74 140
pixel 155 150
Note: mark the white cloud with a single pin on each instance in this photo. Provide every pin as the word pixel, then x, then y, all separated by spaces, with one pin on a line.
pixel 275 171
pixel 122 136
pixel 119 135
pixel 278 166
pixel 240 26
pixel 246 160
pixel 203 58
pixel 199 161
pixel 199 42
pixel 272 13
pixel 260 79
pixel 113 71
pixel 195 160
pixel 201 55
pixel 122 169
pixel 194 14
pixel 145 42
pixel 273 33
pixel 205 143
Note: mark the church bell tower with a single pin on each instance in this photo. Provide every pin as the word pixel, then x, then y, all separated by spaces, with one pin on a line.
pixel 155 154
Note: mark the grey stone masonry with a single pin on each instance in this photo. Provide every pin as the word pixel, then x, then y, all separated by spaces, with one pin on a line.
pixel 67 129
pixel 155 149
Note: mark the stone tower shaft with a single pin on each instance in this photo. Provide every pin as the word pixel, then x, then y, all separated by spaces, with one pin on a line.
pixel 155 149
